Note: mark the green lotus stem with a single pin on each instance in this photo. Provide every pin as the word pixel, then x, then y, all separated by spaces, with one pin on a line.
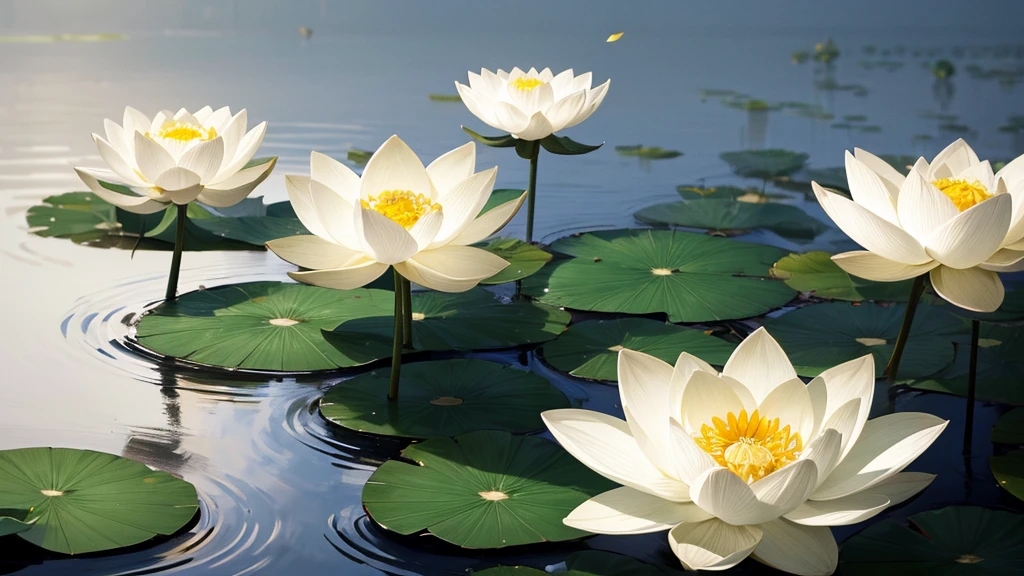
pixel 179 245
pixel 531 192
pixel 406 313
pixel 972 381
pixel 892 368
pixel 396 349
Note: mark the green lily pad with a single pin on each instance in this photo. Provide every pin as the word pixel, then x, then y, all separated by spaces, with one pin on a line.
pixel 359 157
pixel 815 273
pixel 732 217
pixel 690 277
pixel 1009 429
pixel 264 326
pixel 524 259
pixel 647 152
pixel 83 501
pixel 197 237
pixel 484 489
pixel 1009 472
pixel 1000 365
pixel 13 522
pixel 764 164
pixel 751 195
pixel 473 320
pixel 953 541
pixel 590 349
pixel 824 335
pixel 833 178
pixel 254 230
pixel 584 563
pixel 84 218
pixel 442 399
pixel 445 97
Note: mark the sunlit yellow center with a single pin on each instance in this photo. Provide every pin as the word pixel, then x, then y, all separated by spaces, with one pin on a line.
pixel 526 84
pixel 751 447
pixel 402 206
pixel 175 130
pixel 964 194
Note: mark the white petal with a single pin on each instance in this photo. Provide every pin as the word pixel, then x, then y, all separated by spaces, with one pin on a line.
pixel 973 235
pixel 712 545
pixel 886 446
pixel 220 118
pixel 981 173
pixel 116 162
pixel 839 512
pixel 394 166
pixel 892 178
pixel 462 204
pixel 233 134
pixel 479 106
pixel 356 275
pixel 728 497
pixel 689 459
pixel 706 397
pixel 954 159
pixel 790 402
pixel 530 102
pixel 824 451
pixel 1005 257
pixel 236 188
pixel 184 116
pixel 312 252
pixel 537 128
pixel 628 511
pixel 583 81
pixel 246 150
pixel 604 444
pixel 134 121
pixel 871 266
pixel 202 114
pixel 337 216
pixel 302 202
pixel 490 222
pixel 787 488
pixel 972 289
pixel 508 117
pixel 594 99
pixel 134 204
pixel 451 168
pixel 116 138
pixel 335 175
pixel 561 83
pixel 643 390
pixel 845 420
pixel 151 158
pixel 760 364
pixel 801 550
pixel 564 111
pixel 868 190
pixel 923 208
pixel 204 159
pixel 383 239
pixel 686 364
pixel 872 232
pixel 425 229
pixel 179 185
pixel 845 382
pixel 451 268
pixel 901 486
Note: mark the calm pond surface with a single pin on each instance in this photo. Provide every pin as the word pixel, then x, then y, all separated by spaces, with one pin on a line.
pixel 280 489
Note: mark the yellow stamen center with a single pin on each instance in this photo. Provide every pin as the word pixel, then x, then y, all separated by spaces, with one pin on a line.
pixel 175 130
pixel 526 84
pixel 964 194
pixel 751 447
pixel 402 206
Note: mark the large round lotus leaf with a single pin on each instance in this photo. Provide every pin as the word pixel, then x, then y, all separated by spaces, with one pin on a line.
pixel 265 326
pixel 734 217
pixel 84 218
pixel 764 164
pixel 1000 366
pixel 832 178
pixel 585 563
pixel 590 349
pixel 821 336
pixel 954 541
pixel 84 501
pixel 441 399
pixel 1009 472
pixel 1009 429
pixel 254 230
pixel 473 320
pixel 690 277
pixel 523 259
pixel 484 489
pixel 13 522
pixel 751 195
pixel 817 274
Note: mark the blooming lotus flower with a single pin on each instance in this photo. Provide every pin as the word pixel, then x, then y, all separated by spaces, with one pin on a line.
pixel 952 218
pixel 419 220
pixel 177 158
pixel 531 105
pixel 747 462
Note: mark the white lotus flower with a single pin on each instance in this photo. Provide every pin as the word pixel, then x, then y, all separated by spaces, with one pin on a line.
pixel 419 220
pixel 531 105
pixel 177 158
pixel 952 218
pixel 747 462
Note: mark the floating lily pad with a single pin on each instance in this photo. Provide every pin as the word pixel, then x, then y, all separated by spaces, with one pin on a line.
pixel 473 320
pixel 590 349
pixel 690 277
pixel 254 230
pixel 524 259
pixel 264 326
pixel 764 164
pixel 833 178
pixel 83 501
pixel 817 274
pixel 1000 365
pixel 446 98
pixel 585 563
pixel 1009 472
pixel 825 335
pixel 484 489
pixel 1009 429
pixel 647 152
pixel 959 540
pixel 751 195
pixel 732 217
pixel 197 238
pixel 442 399
pixel 13 522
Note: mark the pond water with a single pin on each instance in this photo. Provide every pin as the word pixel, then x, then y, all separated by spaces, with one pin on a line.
pixel 280 489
